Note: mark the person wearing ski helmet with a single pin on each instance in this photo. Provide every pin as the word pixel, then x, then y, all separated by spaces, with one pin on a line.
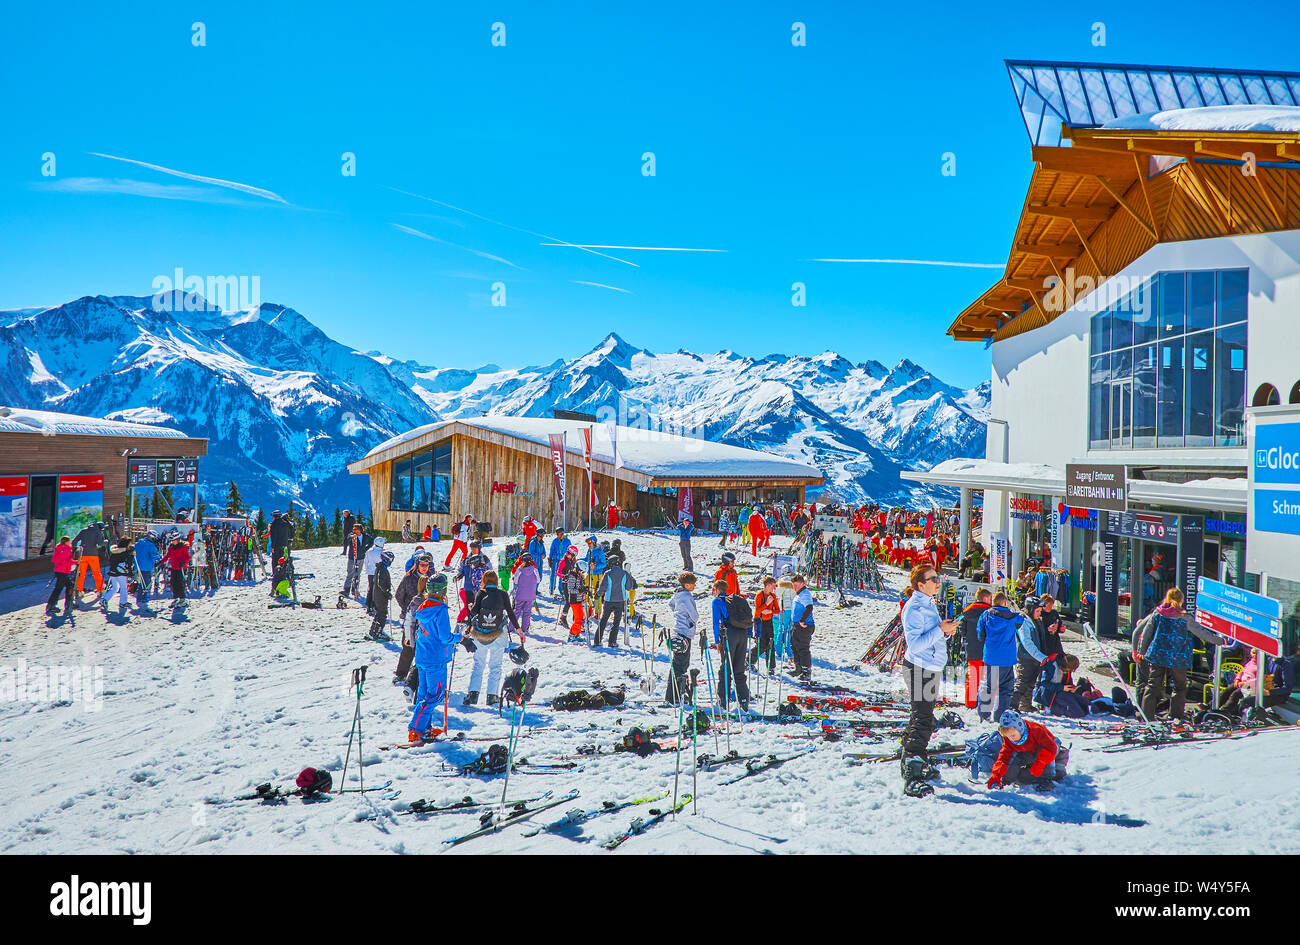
pixel 536 549
pixel 488 615
pixel 529 529
pixel 614 590
pixel 727 573
pixel 573 585
pixel 177 559
pixel 381 589
pixel 1033 651
pixel 686 616
pixel 435 642
pixel 471 573
pixel 525 582
pixel 373 554
pixel 409 595
pixel 1020 736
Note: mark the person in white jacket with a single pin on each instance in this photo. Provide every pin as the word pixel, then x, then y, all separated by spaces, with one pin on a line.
pixel 199 562
pixel 686 617
pixel 371 562
pixel 927 635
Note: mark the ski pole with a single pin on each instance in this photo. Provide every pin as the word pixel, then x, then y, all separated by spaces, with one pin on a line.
pixel 695 730
pixel 713 702
pixel 732 687
pixel 358 680
pixel 510 757
pixel 681 705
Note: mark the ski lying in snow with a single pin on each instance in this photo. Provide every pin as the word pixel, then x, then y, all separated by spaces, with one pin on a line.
pixel 577 816
pixel 423 807
pixel 709 762
pixel 265 792
pixel 641 824
pixel 771 761
pixel 492 823
pixel 310 605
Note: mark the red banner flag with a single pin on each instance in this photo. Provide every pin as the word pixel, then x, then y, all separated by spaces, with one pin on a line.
pixel 558 464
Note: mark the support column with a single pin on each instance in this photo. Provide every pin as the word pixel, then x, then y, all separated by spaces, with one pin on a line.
pixel 964 522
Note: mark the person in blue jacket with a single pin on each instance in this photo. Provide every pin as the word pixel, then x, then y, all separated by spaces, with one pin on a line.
pixel 802 626
pixel 997 629
pixel 146 559
pixel 684 529
pixel 732 644
pixel 537 548
pixel 595 559
pixel 435 642
pixel 555 554
pixel 410 562
pixel 923 662
pixel 1036 644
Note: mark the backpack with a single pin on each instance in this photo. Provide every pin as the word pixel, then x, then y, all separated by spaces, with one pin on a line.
pixel 519 687
pixel 313 781
pixel 739 614
pixel 981 753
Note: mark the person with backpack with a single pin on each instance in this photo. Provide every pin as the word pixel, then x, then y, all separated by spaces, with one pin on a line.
pixel 371 563
pixel 614 589
pixel 460 536
pixel 802 626
pixel 121 565
pixel 89 546
pixel 732 620
pixel 146 560
pixel 1032 653
pixel 487 628
pixel 434 644
pixel 525 583
pixel 381 590
pixel 63 562
pixel 1168 657
pixel 560 546
pixel 974 646
pixel 767 608
pixel 473 569
pixel 177 559
pixel 727 573
pixel 685 617
pixel 573 585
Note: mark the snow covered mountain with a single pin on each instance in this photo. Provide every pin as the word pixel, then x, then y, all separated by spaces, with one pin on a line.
pixel 285 407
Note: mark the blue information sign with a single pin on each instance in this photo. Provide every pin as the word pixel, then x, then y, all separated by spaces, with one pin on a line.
pixel 1277 511
pixel 1265 606
pixel 1277 453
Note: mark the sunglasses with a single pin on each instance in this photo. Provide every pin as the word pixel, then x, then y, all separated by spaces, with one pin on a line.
pixel 927 580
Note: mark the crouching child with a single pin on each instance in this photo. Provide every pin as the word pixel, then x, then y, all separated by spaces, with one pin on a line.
pixel 1030 754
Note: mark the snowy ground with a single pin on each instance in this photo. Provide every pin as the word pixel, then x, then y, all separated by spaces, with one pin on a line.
pixel 202 705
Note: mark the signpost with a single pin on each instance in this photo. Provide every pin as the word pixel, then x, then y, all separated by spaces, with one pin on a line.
pixel 1093 486
pixel 1241 615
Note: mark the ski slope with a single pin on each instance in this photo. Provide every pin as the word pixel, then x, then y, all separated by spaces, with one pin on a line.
pixel 204 704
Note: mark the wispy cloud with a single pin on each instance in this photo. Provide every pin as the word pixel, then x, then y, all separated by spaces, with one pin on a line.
pixel 137 188
pixel 654 249
pixel 600 285
pixel 214 181
pixel 918 262
pixel 433 239
pixel 511 226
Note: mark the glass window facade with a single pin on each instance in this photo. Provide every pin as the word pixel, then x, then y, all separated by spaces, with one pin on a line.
pixel 1168 364
pixel 422 481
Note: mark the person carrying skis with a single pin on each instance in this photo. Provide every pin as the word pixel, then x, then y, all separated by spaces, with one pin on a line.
pixel 996 633
pixel 727 573
pixel 63 562
pixel 177 559
pixel 684 529
pixel 487 619
pixel 434 643
pixel 525 583
pixel 1023 737
pixel 560 546
pixel 767 607
pixel 923 662
pixel 732 620
pixel 460 536
pixel 614 589
pixel 974 646
pixel 381 591
pixel 685 617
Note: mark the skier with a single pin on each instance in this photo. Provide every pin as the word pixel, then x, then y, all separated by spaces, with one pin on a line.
pixel 732 620
pixel 1021 736
pixel 923 663
pixel 614 589
pixel 997 640
pixel 785 619
pixel 757 527
pixel 684 529
pixel 381 588
pixel 560 545
pixel 1032 651
pixel 282 580
pixel 529 529
pixel 536 549
pixel 685 617
pixel 373 554
pixel 348 522
pixel 767 606
pixel 177 559
pixel 970 619
pixel 460 535
pixel 198 561
pixel 146 559
pixel 526 582
pixel 282 534
pixel 473 569
pixel 595 559
pixel 487 619
pixel 573 585
pixel 724 529
pixel 120 566
pixel 89 546
pixel 727 573
pixel 434 640
pixel 615 555
pixel 63 562
pixel 409 595
pixel 802 627
pixel 611 516
pixel 357 545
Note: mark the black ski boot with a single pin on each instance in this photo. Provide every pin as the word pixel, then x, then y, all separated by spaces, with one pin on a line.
pixel 493 699
pixel 613 640
pixel 471 698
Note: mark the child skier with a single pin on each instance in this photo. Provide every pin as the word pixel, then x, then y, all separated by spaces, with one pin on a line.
pixel 1021 737
pixel 767 608
pixel 727 573
pixel 434 643
pixel 381 593
pixel 575 593
pixel 525 583
pixel 685 616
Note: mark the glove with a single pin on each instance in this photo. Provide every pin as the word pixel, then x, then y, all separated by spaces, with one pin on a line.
pixel 1048 659
pixel 468 644
pixel 994 782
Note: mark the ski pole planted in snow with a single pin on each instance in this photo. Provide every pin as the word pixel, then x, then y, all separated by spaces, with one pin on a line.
pixel 359 682
pixel 695 731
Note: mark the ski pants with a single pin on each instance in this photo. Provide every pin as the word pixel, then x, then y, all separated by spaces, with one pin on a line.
pixel 352 583
pixel 178 584
pixel 407 656
pixel 754 542
pixel 1160 678
pixel 614 608
pixel 688 563
pixel 89 563
pixel 432 690
pixel 555 567
pixel 733 653
pixel 922 693
pixel 524 614
pixel 370 593
pixel 575 625
pixel 488 656
pixel 117 585
pixel 801 644
pixel 996 687
pixel 381 613
pixel 62 585
pixel 456 545
pixel 974 675
pixel 678 685
pixel 765 646
pixel 1026 678
pixel 782 641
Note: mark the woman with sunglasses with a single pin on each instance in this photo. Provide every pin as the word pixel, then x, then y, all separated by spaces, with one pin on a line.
pixel 923 662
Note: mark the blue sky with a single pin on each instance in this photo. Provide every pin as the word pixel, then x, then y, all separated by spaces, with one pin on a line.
pixel 776 154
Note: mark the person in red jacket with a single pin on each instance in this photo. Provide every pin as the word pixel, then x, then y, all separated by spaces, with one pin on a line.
pixel 178 558
pixel 611 516
pixel 727 573
pixel 530 529
pixel 757 526
pixel 1021 736
pixel 63 562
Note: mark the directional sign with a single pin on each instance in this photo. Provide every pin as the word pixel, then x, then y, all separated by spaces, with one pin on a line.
pixel 1241 597
pixel 1259 641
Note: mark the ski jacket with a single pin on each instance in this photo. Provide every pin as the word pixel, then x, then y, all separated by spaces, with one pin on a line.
pixel 91 541
pixel 684 530
pixel 383 583
pixel 927 647
pixel 1171 641
pixel 575 588
pixel 471 574
pixel 491 609
pixel 119 563
pixel 785 591
pixel 348 521
pixel 282 532
pixel 146 555
pixel 1031 640
pixel 720 616
pixel 63 559
pixel 529 529
pixel 537 549
pixel 434 638
pixel 802 610
pixel 595 559
pixel 407 588
pixel 997 629
pixel 757 525
pixel 373 555
pixel 177 557
pixel 525 583
pixel 407 534
pixel 558 547
pixel 614 585
pixel 358 543
pixel 685 613
pixel 970 619
pixel 724 524
pixel 728 573
pixel 1039 741
pixel 461 531
pixel 766 606
pixel 616 557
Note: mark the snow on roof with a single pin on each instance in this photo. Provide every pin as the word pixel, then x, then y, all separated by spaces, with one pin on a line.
pixel 646 451
pixel 1280 118
pixel 1217 493
pixel 48 423
pixel 981 473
